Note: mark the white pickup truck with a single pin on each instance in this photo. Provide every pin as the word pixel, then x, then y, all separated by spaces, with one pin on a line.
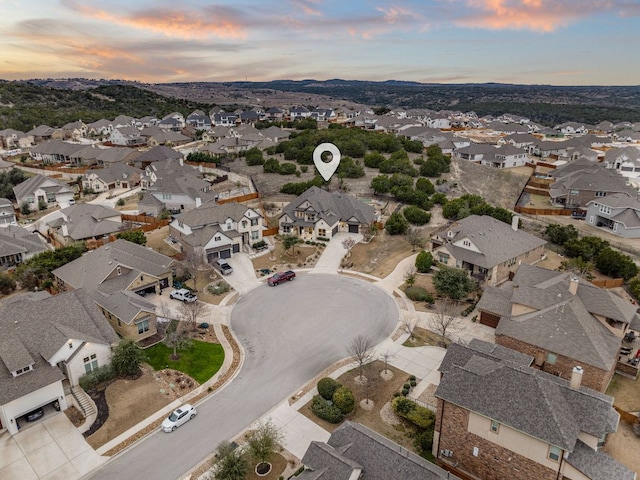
pixel 183 295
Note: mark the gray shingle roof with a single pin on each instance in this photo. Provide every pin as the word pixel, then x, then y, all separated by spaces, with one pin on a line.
pixel 332 206
pixel 353 445
pixel 86 220
pixel 32 184
pixel 91 270
pixel 496 241
pixel 125 305
pixel 39 328
pixel 213 214
pixel 597 465
pixel 547 407
pixel 15 239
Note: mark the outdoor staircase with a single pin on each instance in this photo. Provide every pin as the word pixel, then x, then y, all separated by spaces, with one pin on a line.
pixel 86 405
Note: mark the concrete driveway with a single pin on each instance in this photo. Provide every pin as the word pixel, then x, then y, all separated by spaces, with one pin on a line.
pixel 243 279
pixel 329 261
pixel 289 335
pixel 50 449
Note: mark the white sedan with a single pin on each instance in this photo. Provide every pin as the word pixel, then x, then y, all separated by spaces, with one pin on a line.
pixel 178 417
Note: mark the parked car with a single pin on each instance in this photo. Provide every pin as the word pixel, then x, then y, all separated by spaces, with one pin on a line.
pixel 179 416
pixel 183 295
pixel 280 277
pixel 35 414
pixel 222 266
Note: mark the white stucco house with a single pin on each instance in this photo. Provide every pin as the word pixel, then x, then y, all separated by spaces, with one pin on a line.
pixel 41 189
pixel 47 344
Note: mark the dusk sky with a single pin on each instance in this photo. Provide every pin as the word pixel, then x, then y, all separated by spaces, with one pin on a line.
pixel 562 42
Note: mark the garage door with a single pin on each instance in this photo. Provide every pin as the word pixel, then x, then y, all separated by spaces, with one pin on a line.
pixel 236 248
pixel 489 319
pixel 225 253
pixel 334 231
pixel 353 228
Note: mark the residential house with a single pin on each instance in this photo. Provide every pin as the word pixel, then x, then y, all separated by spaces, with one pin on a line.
pixel 520 140
pixel 489 249
pixel 7 213
pixel 100 128
pixel 75 130
pixel 275 114
pixel 127 137
pixel 575 186
pixel 173 186
pixel 114 175
pixel 56 151
pixel 323 114
pixel 224 119
pixel 146 121
pixel 117 276
pixel 199 120
pixel 214 230
pixel 318 214
pixel 354 451
pixel 41 191
pixel 625 160
pixel 155 136
pixel 297 113
pixel 275 134
pixel 157 154
pixel 13 139
pixel 18 245
pixel 619 213
pixel 548 149
pixel 627 135
pixel 174 121
pixel 43 133
pixel 83 221
pixel 109 155
pixel 499 418
pixel 47 345
pixel 216 133
pixel 475 152
pixel 560 320
pixel 123 121
pixel 506 156
pixel 573 128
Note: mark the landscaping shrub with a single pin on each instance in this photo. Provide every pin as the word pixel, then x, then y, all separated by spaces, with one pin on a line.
pixel 259 244
pixel 343 399
pixel 324 239
pixel 424 441
pixel 421 417
pixel 93 379
pixel 418 294
pixel 416 215
pixel 402 406
pixel 326 411
pixel 405 392
pixel 407 386
pixel 424 261
pixel 327 387
pixel 413 383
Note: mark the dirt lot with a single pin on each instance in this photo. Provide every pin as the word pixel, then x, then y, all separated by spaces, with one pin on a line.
pixel 624 446
pixel 302 256
pixel 381 392
pixel 155 240
pixel 130 203
pixel 380 256
pixel 626 393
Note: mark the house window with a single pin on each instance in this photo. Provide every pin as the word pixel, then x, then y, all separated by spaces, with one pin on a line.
pixel 466 243
pixel 22 370
pixel 601 194
pixel 554 453
pixel 255 235
pixel 551 358
pixel 90 363
pixel 322 232
pixel 118 270
pixel 605 209
pixel 254 222
pixel 575 192
pixel 443 258
pixel 286 229
pixel 244 224
pixel 511 262
pixel 217 238
pixel 495 426
pixel 143 326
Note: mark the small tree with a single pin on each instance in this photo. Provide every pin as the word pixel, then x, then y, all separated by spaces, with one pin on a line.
pixel 25 209
pixel 369 231
pixel 396 224
pixel 410 276
pixel 424 261
pixel 453 283
pixel 415 238
pixel 7 284
pixel 194 263
pixel 120 202
pixel 263 442
pixel 177 340
pixel 343 399
pixel 385 358
pixel 360 349
pixel 348 243
pixel 133 236
pixel 409 325
pixel 126 358
pixel 290 241
pixel 444 321
pixel 231 463
pixel 190 312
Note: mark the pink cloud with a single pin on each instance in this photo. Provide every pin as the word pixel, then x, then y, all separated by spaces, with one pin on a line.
pixel 308 7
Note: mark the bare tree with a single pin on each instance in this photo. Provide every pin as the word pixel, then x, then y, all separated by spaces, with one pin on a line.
pixel 369 231
pixel 444 321
pixel 177 339
pixel 194 262
pixel 190 312
pixel 410 276
pixel 360 349
pixel 348 243
pixel 385 358
pixel 409 325
pixel 415 238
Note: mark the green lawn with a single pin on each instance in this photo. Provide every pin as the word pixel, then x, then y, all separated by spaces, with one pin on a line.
pixel 200 362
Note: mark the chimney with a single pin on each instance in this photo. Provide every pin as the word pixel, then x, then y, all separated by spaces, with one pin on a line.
pixel 576 377
pixel 514 222
pixel 573 285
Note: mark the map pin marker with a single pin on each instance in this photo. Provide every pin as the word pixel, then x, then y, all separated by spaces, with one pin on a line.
pixel 326 169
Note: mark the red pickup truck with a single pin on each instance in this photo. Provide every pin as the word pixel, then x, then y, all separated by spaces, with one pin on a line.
pixel 278 278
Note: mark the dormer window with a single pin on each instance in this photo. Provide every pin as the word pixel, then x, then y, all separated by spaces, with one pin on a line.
pixel 119 270
pixel 466 243
pixel 22 370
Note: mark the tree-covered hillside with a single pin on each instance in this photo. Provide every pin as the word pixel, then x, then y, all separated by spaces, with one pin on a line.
pixel 24 105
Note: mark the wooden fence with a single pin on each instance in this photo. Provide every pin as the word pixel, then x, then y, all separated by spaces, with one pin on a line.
pixel 270 231
pixel 239 199
pixel 201 164
pixel 537 191
pixel 542 211
pixel 627 417
pixel 609 282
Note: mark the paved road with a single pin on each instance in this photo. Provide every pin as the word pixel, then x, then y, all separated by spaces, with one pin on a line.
pixel 290 333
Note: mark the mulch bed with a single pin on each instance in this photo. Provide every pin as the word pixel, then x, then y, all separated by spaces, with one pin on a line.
pixel 99 397
pixel 75 416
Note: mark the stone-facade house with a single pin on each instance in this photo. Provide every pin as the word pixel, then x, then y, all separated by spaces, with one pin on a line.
pixel 18 245
pixel 561 321
pixel 618 213
pixel 40 189
pixel 498 418
pixel 47 344
pixel 318 214
pixel 489 249
pixel 127 137
pixel 7 213
pixel 114 175
pixel 117 276
pixel 214 230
